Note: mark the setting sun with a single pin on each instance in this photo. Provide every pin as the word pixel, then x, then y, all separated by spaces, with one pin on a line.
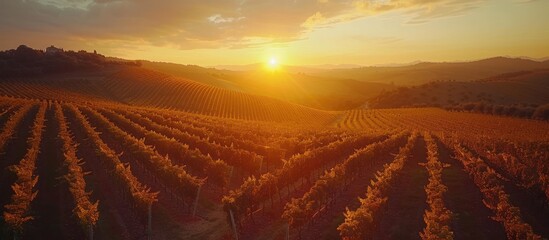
pixel 273 63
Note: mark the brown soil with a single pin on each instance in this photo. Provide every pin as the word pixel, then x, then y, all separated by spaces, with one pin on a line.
pixel 472 219
pixel 406 202
pixel 53 205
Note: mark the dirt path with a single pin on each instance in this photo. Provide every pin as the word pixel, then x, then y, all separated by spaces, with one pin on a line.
pixel 531 211
pixel 53 205
pixel 471 218
pixel 406 202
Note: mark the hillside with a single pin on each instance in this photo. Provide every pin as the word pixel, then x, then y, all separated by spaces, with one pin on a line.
pixel 142 87
pixel 27 62
pixel 348 88
pixel 516 94
pixel 328 93
pixel 445 71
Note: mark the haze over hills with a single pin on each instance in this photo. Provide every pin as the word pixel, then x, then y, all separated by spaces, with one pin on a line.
pixel 288 68
pixel 525 87
pixel 329 93
pixel 446 71
pixel 333 90
pixel 338 89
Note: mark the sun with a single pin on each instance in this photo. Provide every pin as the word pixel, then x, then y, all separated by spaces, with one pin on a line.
pixel 273 63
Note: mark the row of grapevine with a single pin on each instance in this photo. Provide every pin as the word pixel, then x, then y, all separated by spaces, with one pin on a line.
pixel 259 133
pixel 140 196
pixel 530 170
pixel 195 148
pixel 253 191
pixel 240 135
pixel 174 176
pixel 11 125
pixel 149 88
pixel 272 148
pixel 298 211
pixel 439 120
pixel 362 119
pixel 17 212
pixel 29 88
pixel 437 217
pixel 6 109
pixel 495 197
pixel 215 170
pixel 86 211
pixel 361 223
pixel 200 131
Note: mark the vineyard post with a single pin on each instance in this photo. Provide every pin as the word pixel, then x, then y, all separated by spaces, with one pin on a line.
pixel 230 176
pixel 90 231
pixel 149 222
pixel 233 223
pixel 196 200
pixel 288 231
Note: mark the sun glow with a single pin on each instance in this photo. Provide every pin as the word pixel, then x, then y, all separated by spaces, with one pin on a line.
pixel 272 64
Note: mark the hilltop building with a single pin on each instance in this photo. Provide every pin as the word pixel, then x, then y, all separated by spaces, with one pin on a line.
pixel 53 50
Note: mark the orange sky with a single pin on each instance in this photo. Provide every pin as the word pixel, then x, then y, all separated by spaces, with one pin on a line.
pixel 207 32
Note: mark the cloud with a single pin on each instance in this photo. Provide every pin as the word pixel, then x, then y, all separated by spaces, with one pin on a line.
pixel 378 40
pixel 525 1
pixel 193 24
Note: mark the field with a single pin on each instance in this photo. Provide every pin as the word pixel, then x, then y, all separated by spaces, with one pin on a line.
pixel 75 168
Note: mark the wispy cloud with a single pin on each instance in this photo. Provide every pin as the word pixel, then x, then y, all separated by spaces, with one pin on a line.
pixel 194 24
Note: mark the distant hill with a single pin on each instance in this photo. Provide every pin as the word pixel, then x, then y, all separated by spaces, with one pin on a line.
pixel 280 95
pixel 428 72
pixel 25 61
pixel 209 76
pixel 525 87
pixel 521 90
pixel 288 68
pixel 329 93
pixel 143 87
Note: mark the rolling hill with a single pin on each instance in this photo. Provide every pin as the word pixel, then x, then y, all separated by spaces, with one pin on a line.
pixel 288 84
pixel 142 87
pixel 525 87
pixel 446 71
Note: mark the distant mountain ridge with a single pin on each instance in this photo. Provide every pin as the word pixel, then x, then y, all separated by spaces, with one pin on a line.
pixel 327 67
pixel 72 75
pixel 523 87
pixel 327 93
pixel 425 72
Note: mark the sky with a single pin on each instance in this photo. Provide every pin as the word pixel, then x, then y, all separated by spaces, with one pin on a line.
pixel 295 32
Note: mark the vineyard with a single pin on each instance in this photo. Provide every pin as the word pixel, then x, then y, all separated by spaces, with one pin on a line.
pixel 94 170
pixel 128 160
pixel 143 87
